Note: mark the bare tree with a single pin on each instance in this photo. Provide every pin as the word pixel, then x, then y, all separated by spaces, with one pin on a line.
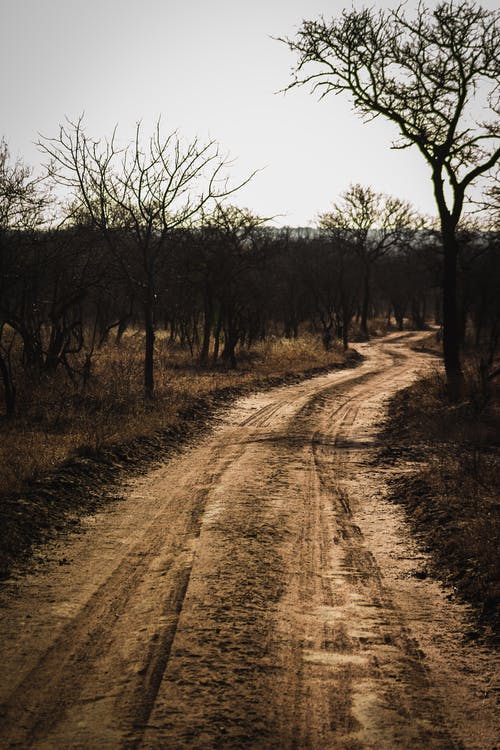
pixel 24 198
pixel 24 204
pixel 421 73
pixel 137 196
pixel 372 223
pixel 232 248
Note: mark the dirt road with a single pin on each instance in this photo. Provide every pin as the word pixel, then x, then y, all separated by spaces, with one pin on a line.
pixel 256 591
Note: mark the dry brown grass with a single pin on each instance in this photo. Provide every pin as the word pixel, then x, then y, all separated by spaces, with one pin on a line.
pixel 452 496
pixel 58 419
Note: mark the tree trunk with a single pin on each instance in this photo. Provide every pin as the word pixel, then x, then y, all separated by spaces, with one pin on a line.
pixel 231 336
pixel 32 349
pixel 122 327
pixel 346 319
pixel 418 313
pixel 399 314
pixel 218 329
pixel 327 337
pixel 207 327
pixel 366 303
pixel 451 344
pixel 149 350
pixel 229 354
pixel 8 387
pixel 55 348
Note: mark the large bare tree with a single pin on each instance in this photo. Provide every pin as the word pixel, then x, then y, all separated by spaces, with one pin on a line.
pixel 424 74
pixel 137 196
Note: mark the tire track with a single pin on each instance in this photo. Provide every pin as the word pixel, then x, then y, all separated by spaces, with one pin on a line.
pixel 378 624
pixel 71 659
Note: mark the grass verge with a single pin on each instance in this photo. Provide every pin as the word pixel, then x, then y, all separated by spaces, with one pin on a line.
pixel 451 494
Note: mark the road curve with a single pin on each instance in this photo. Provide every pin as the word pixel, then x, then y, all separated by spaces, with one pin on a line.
pixel 255 591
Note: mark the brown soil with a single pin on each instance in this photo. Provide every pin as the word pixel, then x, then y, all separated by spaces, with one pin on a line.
pixel 254 591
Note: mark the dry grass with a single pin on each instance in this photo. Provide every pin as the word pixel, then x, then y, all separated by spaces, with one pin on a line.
pixel 453 494
pixel 58 419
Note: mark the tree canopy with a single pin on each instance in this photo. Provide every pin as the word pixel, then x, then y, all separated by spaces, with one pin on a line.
pixel 431 75
pixel 422 73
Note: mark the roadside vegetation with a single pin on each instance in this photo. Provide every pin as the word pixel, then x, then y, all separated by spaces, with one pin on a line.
pixel 451 492
pixel 59 421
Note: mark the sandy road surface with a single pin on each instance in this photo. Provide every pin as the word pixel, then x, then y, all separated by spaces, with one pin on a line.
pixel 257 591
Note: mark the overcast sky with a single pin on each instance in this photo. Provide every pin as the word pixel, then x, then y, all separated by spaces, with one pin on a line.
pixel 210 68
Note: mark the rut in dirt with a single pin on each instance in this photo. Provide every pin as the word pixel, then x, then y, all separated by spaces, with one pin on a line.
pixel 253 592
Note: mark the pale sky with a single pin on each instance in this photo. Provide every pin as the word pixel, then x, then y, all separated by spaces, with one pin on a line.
pixel 209 69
